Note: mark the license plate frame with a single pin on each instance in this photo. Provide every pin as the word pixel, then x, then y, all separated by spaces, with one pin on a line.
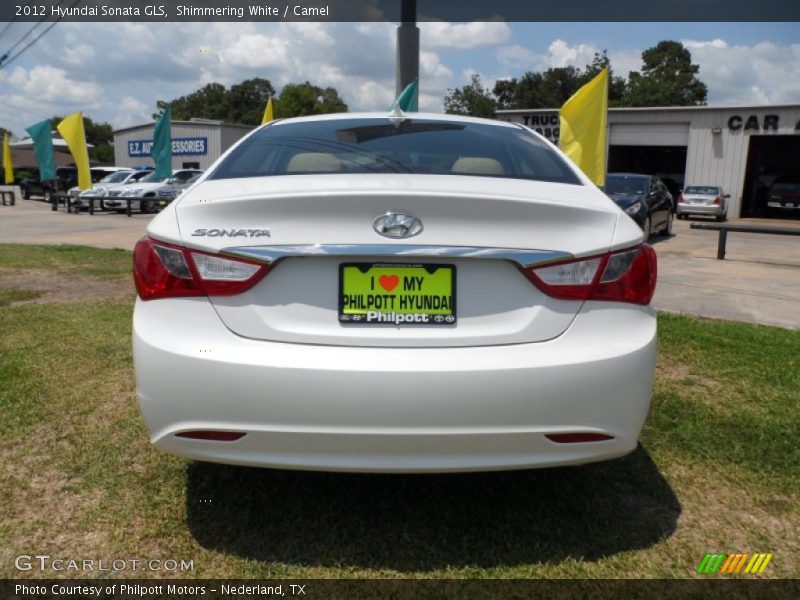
pixel 435 309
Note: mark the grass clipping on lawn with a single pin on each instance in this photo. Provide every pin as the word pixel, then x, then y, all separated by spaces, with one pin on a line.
pixel 716 470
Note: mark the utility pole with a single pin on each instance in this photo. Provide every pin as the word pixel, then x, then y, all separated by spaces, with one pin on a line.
pixel 407 46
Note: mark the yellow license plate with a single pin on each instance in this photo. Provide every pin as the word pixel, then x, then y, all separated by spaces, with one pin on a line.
pixel 397 294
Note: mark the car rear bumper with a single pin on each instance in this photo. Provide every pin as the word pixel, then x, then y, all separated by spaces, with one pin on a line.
pixel 701 209
pixel 393 409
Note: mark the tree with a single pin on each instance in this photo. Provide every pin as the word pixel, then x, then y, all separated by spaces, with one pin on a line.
pixel 549 89
pixel 616 85
pixel 209 102
pixel 472 99
pixel 299 99
pixel 244 102
pixel 553 87
pixel 668 78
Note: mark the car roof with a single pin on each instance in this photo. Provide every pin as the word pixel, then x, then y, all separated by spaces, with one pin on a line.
pixel 385 117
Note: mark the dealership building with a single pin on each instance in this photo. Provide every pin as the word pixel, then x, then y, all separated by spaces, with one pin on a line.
pixel 196 143
pixel 743 149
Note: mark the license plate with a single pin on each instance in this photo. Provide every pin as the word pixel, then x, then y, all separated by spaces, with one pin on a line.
pixel 397 294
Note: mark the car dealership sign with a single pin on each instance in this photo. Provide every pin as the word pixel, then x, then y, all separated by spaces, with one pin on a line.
pixel 193 146
pixel 546 124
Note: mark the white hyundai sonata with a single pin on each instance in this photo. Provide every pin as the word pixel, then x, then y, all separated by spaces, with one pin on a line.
pixel 363 292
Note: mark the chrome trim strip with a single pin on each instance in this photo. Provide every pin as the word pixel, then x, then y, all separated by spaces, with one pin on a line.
pixel 521 257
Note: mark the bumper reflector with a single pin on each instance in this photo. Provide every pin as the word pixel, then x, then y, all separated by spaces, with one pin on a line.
pixel 213 436
pixel 577 438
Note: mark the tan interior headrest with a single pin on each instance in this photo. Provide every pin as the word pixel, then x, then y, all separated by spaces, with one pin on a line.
pixel 477 165
pixel 313 162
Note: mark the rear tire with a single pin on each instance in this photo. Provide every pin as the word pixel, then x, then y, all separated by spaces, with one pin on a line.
pixel 149 204
pixel 26 193
pixel 646 228
pixel 48 196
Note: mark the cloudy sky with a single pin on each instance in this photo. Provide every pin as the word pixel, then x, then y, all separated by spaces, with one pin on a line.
pixel 115 72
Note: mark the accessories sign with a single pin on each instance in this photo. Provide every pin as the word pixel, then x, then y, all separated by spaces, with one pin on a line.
pixel 193 146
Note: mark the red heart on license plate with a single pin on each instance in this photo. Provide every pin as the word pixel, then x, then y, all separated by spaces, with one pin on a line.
pixel 389 282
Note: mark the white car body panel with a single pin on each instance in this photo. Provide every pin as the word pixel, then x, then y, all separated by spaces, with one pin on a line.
pixel 393 409
pixel 312 393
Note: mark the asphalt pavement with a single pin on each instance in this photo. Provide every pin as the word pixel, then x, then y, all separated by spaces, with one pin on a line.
pixel 758 282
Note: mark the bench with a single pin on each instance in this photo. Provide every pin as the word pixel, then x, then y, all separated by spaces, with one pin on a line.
pixel 724 228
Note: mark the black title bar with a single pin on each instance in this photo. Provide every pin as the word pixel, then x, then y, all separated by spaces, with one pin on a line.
pixel 391 10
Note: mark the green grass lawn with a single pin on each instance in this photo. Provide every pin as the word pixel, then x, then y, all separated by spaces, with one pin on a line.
pixel 716 470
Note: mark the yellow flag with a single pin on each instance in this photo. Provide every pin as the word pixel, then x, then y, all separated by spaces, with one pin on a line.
pixel 8 166
pixel 71 129
pixel 584 120
pixel 268 116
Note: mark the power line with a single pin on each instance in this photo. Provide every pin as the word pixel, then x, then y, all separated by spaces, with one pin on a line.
pixel 8 61
pixel 12 21
pixel 30 31
pixel 19 109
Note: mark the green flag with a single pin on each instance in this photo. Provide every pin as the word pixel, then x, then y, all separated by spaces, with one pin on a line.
pixel 161 150
pixel 407 100
pixel 43 148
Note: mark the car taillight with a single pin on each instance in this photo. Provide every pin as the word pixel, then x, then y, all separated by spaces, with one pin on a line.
pixel 718 200
pixel 681 199
pixel 162 270
pixel 623 276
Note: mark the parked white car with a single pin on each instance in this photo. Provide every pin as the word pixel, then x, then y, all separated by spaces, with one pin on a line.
pixel 97 175
pixel 145 191
pixel 110 182
pixel 356 292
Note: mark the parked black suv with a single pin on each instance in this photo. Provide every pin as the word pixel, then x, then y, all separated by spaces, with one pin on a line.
pixel 66 177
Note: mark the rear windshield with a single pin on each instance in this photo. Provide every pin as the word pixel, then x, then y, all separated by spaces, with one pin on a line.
pixel 381 146
pixel 702 190
pixel 786 184
pixel 626 184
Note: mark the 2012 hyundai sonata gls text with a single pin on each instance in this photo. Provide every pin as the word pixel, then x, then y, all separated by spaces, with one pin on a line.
pixel 361 292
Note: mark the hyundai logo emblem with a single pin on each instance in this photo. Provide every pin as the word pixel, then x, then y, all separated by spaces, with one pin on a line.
pixel 397 225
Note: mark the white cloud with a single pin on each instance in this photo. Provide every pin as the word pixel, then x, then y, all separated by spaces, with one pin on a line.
pixel 255 51
pixel 764 73
pixel 79 54
pixel 715 43
pixel 515 56
pixel 436 34
pixel 132 112
pixel 48 84
pixel 561 54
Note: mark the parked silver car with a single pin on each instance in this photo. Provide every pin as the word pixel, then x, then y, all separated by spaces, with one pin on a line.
pixel 706 200
pixel 173 188
pixel 144 191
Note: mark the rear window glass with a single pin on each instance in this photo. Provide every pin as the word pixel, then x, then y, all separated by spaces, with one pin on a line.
pixel 702 190
pixel 625 184
pixel 786 184
pixel 381 146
